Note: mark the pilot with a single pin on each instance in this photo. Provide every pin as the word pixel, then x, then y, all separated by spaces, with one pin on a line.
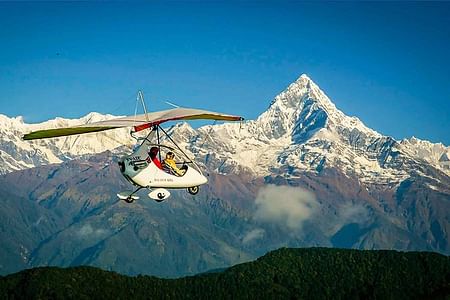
pixel 153 153
pixel 170 166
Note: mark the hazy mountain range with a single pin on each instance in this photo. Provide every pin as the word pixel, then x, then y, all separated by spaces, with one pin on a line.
pixel 302 174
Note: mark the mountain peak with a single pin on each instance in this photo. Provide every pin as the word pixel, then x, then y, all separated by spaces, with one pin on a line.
pixel 304 79
pixel 96 117
pixel 304 76
pixel 306 85
pixel 301 109
pixel 4 118
pixel 13 122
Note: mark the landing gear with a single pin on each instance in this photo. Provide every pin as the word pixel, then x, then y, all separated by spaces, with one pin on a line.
pixel 128 196
pixel 193 190
pixel 129 200
pixel 159 195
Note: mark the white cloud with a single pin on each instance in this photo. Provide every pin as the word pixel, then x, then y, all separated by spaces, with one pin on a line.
pixel 253 235
pixel 346 214
pixel 353 213
pixel 285 205
pixel 88 231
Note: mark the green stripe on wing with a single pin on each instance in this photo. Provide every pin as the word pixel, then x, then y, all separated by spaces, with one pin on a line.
pixel 49 133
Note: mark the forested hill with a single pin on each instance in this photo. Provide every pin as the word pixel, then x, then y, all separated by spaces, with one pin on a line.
pixel 284 273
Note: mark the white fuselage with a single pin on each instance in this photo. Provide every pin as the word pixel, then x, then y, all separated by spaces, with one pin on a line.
pixel 141 170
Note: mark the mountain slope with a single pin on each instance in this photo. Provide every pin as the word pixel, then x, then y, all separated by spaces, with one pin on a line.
pixel 94 228
pixel 435 154
pixel 303 131
pixel 285 273
pixel 302 174
pixel 68 214
pixel 16 154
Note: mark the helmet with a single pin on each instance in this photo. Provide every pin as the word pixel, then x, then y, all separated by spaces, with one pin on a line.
pixel 153 151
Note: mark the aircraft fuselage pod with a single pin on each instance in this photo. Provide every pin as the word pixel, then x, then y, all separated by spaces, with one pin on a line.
pixel 140 170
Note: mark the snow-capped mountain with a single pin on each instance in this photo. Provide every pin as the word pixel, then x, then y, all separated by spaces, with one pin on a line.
pixel 16 154
pixel 302 130
pixel 371 192
pixel 435 154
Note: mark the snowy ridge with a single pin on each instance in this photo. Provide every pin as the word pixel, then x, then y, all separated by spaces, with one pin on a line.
pixel 302 130
pixel 16 154
pixel 435 154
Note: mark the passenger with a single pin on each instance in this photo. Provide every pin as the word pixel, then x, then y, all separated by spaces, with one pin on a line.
pixel 153 156
pixel 171 167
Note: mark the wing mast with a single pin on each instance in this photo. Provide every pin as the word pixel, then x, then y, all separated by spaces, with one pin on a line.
pixel 141 97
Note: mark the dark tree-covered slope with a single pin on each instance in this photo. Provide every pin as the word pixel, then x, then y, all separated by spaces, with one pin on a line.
pixel 285 273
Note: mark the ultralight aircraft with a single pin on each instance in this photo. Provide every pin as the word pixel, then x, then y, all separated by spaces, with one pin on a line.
pixel 141 167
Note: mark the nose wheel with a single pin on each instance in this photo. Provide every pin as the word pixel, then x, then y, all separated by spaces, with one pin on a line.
pixel 193 190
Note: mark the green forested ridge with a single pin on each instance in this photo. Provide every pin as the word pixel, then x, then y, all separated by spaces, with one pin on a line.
pixel 284 273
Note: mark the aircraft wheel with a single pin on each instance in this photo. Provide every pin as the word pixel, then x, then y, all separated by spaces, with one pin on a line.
pixel 129 200
pixel 193 190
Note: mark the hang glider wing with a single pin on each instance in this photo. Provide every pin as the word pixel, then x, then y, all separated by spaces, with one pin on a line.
pixel 139 122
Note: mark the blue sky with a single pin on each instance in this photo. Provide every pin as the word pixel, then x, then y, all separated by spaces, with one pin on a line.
pixel 386 63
